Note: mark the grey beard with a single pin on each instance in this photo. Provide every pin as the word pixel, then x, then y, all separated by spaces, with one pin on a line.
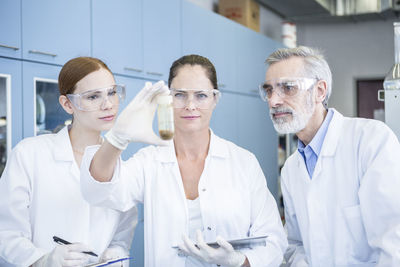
pixel 299 119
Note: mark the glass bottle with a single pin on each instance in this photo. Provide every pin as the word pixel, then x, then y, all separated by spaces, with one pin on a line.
pixel 392 79
pixel 165 113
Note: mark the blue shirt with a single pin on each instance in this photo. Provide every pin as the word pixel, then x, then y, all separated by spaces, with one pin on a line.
pixel 311 152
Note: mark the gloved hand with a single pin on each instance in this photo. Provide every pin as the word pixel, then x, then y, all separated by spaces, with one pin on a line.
pixel 135 123
pixel 65 255
pixel 224 255
pixel 114 253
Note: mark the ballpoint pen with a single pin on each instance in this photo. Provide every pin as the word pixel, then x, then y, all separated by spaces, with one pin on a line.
pixel 109 262
pixel 64 242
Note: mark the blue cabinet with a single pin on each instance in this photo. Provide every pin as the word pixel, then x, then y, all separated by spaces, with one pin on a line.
pixel 10 28
pixel 252 51
pixel 244 120
pixel 117 35
pixel 257 134
pixel 142 39
pixel 10 107
pixel 55 31
pixel 162 36
pixel 224 118
pixel 40 107
pixel 213 36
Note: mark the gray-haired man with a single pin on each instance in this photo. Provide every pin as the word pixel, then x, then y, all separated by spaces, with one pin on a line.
pixel 341 188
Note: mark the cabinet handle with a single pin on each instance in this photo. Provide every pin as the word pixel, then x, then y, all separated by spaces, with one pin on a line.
pixel 42 53
pixel 11 47
pixel 154 73
pixel 132 69
pixel 221 85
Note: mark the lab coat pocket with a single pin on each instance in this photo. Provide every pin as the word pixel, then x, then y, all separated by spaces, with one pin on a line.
pixel 361 251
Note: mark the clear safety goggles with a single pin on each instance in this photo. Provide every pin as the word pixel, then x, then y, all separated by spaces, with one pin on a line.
pixel 201 99
pixel 285 87
pixel 94 99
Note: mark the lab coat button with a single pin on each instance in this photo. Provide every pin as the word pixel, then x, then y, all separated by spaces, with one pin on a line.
pixel 203 190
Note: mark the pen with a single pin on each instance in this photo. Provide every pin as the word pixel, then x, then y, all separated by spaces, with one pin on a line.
pixel 114 261
pixel 64 242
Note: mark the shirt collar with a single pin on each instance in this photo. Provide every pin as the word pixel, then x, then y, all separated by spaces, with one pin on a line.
pixel 318 140
pixel 218 148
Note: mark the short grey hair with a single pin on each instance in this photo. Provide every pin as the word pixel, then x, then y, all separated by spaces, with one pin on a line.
pixel 315 65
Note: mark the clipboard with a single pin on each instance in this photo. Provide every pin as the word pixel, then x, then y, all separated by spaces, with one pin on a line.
pixel 106 263
pixel 241 243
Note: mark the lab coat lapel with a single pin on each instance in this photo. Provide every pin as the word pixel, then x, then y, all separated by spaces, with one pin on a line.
pixel 217 147
pixel 301 168
pixel 330 142
pixel 62 150
pixel 167 155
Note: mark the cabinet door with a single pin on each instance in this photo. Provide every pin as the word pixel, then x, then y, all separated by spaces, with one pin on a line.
pixel 10 107
pixel 10 28
pixel 257 134
pixel 252 51
pixel 162 36
pixel 42 113
pixel 117 35
pixel 210 35
pixel 224 118
pixel 55 31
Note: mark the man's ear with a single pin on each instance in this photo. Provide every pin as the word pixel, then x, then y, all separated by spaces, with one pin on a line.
pixel 66 104
pixel 322 91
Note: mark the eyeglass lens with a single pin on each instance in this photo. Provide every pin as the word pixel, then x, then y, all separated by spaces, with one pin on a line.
pixel 200 99
pixel 95 99
pixel 287 88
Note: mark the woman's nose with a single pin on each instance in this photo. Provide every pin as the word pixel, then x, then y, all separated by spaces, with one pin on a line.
pixel 107 104
pixel 190 105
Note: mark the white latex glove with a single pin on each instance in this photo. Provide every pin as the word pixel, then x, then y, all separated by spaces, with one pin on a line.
pixel 114 253
pixel 224 255
pixel 135 123
pixel 65 255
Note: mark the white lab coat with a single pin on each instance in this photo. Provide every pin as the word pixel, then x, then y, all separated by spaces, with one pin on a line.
pixel 40 198
pixel 234 200
pixel 348 214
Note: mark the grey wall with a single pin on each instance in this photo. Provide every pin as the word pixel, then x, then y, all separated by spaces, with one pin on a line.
pixel 270 24
pixel 353 50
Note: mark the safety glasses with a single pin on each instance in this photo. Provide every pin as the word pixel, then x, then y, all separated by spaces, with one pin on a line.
pixel 201 99
pixel 285 87
pixel 94 99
